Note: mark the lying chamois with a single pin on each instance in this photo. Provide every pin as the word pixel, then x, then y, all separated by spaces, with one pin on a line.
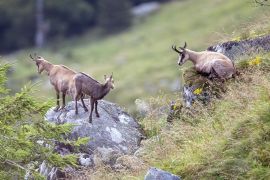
pixel 213 64
pixel 60 77
pixel 84 84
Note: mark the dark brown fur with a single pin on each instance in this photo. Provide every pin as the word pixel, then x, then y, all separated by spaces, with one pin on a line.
pixel 84 84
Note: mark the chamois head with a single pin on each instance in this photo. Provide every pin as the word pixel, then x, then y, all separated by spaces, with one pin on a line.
pixel 39 62
pixel 109 81
pixel 183 56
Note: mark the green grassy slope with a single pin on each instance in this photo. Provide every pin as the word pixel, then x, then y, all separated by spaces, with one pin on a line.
pixel 141 58
pixel 228 139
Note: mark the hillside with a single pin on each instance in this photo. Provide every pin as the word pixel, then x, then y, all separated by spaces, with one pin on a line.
pixel 141 58
pixel 227 139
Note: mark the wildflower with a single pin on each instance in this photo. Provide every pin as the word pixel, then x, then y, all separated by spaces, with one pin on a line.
pixel 197 91
pixel 238 38
pixel 177 106
pixel 256 61
pixel 253 33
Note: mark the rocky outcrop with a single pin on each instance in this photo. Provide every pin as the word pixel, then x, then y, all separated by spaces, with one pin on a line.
pixel 158 174
pixel 235 50
pixel 112 135
pixel 114 132
pixel 243 48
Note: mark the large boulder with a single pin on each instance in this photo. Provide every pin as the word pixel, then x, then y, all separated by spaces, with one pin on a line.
pixel 112 135
pixel 158 174
pixel 243 48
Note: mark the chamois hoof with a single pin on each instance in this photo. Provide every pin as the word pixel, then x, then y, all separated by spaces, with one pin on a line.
pixel 76 112
pixel 97 115
pixel 62 108
pixel 56 108
pixel 90 121
pixel 85 109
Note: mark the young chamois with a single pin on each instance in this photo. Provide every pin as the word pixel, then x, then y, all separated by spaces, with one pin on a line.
pixel 213 64
pixel 84 84
pixel 60 77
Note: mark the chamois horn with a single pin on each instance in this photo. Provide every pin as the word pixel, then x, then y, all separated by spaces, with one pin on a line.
pixel 185 45
pixel 35 55
pixel 31 57
pixel 176 50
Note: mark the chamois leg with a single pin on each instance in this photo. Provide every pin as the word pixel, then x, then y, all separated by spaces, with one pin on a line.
pixel 76 106
pixel 213 74
pixel 84 106
pixel 57 101
pixel 96 103
pixel 63 101
pixel 92 108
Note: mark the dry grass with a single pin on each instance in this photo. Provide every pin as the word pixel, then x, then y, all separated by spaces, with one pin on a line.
pixel 188 149
pixel 247 30
pixel 228 139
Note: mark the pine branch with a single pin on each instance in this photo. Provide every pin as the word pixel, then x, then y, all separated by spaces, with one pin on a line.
pixel 12 163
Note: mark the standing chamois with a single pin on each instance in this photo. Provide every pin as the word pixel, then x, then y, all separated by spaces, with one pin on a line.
pixel 60 77
pixel 213 64
pixel 84 84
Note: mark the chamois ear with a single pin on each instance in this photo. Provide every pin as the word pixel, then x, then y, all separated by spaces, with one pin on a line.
pixel 111 76
pixel 105 77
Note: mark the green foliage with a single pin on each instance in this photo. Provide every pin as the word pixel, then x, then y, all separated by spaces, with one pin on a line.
pixel 26 139
pixel 16 19
pixel 114 16
pixel 81 141
pixel 65 17
pixel 62 18
pixel 3 78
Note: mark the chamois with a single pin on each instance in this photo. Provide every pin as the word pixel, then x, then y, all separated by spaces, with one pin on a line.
pixel 213 64
pixel 60 77
pixel 84 84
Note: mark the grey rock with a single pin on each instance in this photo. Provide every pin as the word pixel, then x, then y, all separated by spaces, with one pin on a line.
pixel 106 155
pixel 188 95
pixel 51 173
pixel 158 174
pixel 114 133
pixel 86 160
pixel 145 9
pixel 245 48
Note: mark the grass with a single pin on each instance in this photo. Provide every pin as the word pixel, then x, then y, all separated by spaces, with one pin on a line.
pixel 141 58
pixel 228 139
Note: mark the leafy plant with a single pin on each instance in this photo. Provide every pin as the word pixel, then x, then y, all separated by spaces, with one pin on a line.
pixel 26 139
